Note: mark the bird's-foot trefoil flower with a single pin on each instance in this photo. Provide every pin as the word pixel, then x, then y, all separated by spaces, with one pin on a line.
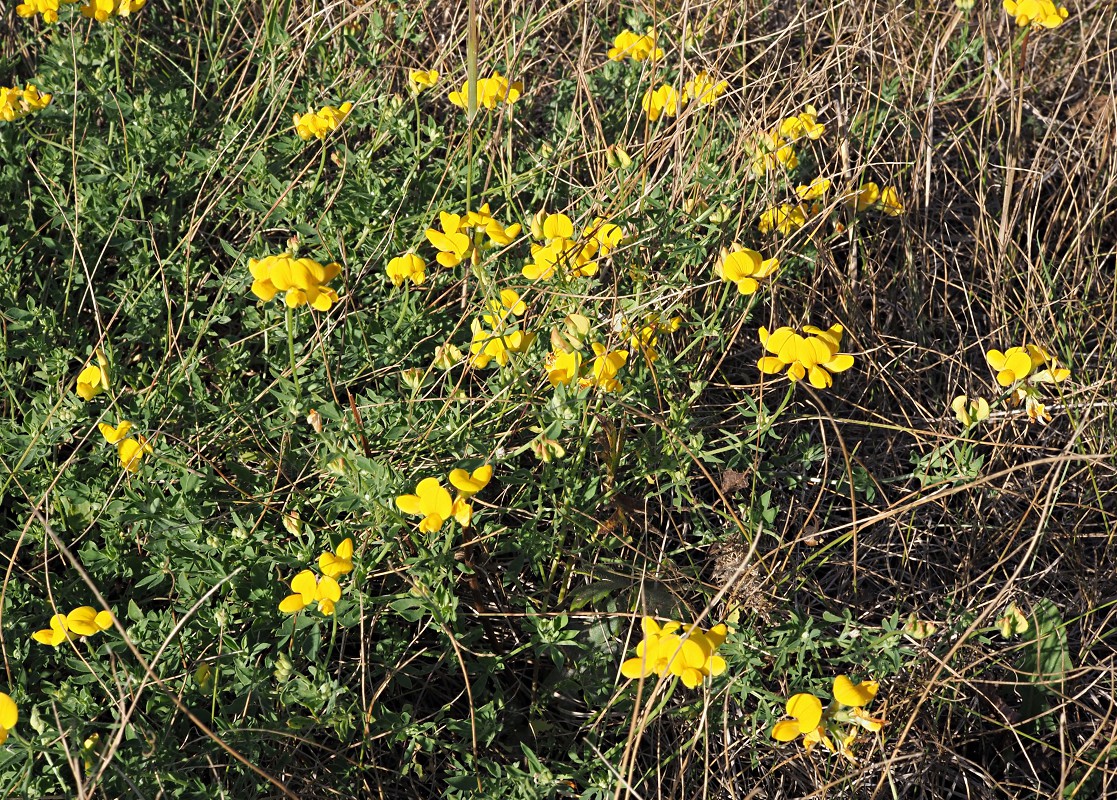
pixel 408 267
pixel 94 378
pixel 9 716
pixel 420 79
pixel 303 280
pixel 814 354
pixel 321 123
pixel 16 102
pixel 335 564
pixel 744 267
pixel 689 654
pixel 308 589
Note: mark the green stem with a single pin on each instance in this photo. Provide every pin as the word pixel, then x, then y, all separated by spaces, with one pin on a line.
pixel 291 349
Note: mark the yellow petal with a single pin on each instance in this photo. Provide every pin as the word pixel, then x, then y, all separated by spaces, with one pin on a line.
pixel 849 694
pixel 292 603
pixel 770 365
pixel 103 620
pixel 82 621
pixel 839 363
pixel 306 585
pixel 345 549
pixel 409 504
pixel 807 709
pixel 114 435
pixel 786 730
pixel 328 589
pixel 9 714
pixel 635 668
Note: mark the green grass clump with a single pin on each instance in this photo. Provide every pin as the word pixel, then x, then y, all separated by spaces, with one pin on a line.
pixel 328 299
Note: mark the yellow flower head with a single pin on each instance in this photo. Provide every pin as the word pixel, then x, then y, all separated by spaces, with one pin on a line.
pixel 470 483
pixel 1037 13
pixel 703 89
pixel 817 188
pixel 302 279
pixel 970 411
pixel 744 267
pixel 490 92
pixel 320 124
pixel 1030 362
pixel 771 150
pixel 813 355
pixel 86 621
pixel 16 103
pixel 573 257
pixel 9 716
pixel 94 379
pixel 864 198
pixel 689 655
pixel 56 634
pixel 407 267
pixel 563 367
pixel 805 711
pixel 604 368
pixel 805 124
pixel 115 435
pixel 308 589
pixel 334 565
pixel 607 235
pixel 431 502
pixel 890 202
pixel 784 218
pixel 132 451
pixel 488 346
pixel 662 101
pixel 452 242
pixel 422 79
pixel 639 48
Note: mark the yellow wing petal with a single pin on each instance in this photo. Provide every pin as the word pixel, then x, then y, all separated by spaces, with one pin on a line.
pixel 9 714
pixel 292 603
pixel 114 435
pixel 848 693
pixel 807 709
pixel 82 621
pixel 306 585
pixel 786 730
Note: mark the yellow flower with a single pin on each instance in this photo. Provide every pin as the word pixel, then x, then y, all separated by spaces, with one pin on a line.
pixel 9 716
pixel 575 257
pixel 558 226
pixel 462 511
pixel 805 711
pixel 563 367
pixel 817 188
pixel 863 198
pixel 86 620
pixel 784 218
pixel 56 634
pixel 604 368
pixel 132 451
pixel 309 589
pixel 490 92
pixel 115 435
pixel 452 242
pixel 302 279
pixel 890 202
pixel 1029 362
pixel 422 79
pixel 320 123
pixel 771 151
pixel 814 356
pixel 487 346
pixel 607 235
pixel 1037 13
pixel 94 379
pixel 689 655
pixel 662 101
pixel 640 48
pixel 407 267
pixel 645 338
pixel 470 483
pixel 16 103
pixel 431 502
pixel 805 124
pixel 744 267
pixel 334 565
pixel 703 89
pixel 970 410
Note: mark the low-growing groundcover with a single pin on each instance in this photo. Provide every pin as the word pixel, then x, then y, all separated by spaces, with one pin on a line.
pixel 685 400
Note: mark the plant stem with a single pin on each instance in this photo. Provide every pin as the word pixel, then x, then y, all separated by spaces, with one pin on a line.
pixel 291 349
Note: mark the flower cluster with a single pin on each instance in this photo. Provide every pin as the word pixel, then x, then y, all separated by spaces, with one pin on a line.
pixel 104 10
pixel 433 503
pixel 464 237
pixel 303 279
pixel 9 716
pixel 308 588
pixel 814 355
pixel 48 9
pixel 319 124
pixel 774 148
pixel 490 92
pixel 408 267
pixel 1037 13
pixel 870 195
pixel 496 334
pixel 744 267
pixel 94 378
pixel 556 249
pixel 817 726
pixel 667 101
pixel 689 654
pixel 1023 370
pixel 16 103
pixel 82 621
pixel 131 451
pixel 639 48
pixel 422 79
